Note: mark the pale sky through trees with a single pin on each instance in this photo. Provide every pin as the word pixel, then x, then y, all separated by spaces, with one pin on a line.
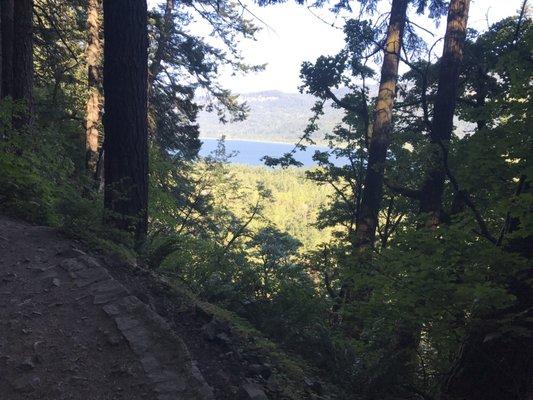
pixel 293 33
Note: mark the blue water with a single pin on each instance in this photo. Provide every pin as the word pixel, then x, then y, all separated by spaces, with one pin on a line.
pixel 250 152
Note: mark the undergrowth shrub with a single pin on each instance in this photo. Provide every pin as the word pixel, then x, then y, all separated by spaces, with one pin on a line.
pixel 41 181
pixel 33 170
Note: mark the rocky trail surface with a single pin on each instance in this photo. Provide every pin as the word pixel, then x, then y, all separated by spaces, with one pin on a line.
pixel 73 326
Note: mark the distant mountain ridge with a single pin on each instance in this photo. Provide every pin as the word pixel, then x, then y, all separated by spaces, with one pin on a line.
pixel 274 116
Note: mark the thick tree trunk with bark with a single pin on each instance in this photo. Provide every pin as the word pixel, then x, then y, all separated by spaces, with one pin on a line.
pixel 94 101
pixel 125 120
pixel 442 126
pixel 23 59
pixel 1 51
pixel 6 12
pixel 381 130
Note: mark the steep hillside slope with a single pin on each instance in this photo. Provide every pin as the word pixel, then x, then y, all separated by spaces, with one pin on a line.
pixel 80 326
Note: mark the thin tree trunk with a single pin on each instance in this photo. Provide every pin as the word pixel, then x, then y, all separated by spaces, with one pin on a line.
pixel 125 124
pixel 162 43
pixel 156 65
pixel 7 47
pixel 381 130
pixel 442 127
pixel 23 59
pixel 94 100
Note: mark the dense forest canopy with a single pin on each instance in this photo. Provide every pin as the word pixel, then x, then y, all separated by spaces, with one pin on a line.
pixel 403 274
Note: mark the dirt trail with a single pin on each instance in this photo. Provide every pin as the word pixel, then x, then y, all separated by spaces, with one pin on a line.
pixel 69 330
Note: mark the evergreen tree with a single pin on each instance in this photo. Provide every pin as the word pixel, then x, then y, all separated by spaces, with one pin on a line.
pixel 94 78
pixel 6 23
pixel 23 59
pixel 126 118
pixel 379 139
pixel 444 110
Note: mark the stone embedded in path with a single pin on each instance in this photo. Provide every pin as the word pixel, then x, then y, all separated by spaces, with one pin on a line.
pixel 150 364
pixel 107 291
pixel 138 337
pixel 49 278
pixel 251 391
pixel 26 383
pixel 163 356
pixel 126 323
pixel 48 274
pixel 26 365
pixel 85 276
pixel 171 386
pixel 70 252
pixel 71 264
pixel 89 261
pixel 160 375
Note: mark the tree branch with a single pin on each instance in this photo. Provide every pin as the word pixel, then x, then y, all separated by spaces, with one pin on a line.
pixel 505 228
pixel 483 228
pixel 404 191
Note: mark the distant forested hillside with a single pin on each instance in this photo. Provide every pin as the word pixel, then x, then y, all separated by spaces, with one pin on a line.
pixel 274 116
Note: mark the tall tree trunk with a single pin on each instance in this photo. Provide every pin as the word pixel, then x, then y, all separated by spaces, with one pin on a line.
pixel 23 59
pixel 1 51
pixel 7 47
pixel 125 122
pixel 378 143
pixel 407 338
pixel 442 127
pixel 94 100
pixel 381 130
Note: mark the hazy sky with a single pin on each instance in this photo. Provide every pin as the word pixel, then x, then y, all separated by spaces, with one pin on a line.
pixel 293 34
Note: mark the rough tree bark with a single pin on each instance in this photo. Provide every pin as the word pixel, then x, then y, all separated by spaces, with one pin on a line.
pixel 407 338
pixel 7 46
pixel 125 121
pixel 93 121
pixel 23 59
pixel 379 142
pixel 1 51
pixel 444 109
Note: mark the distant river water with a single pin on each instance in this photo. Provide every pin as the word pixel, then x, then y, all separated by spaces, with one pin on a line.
pixel 250 152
